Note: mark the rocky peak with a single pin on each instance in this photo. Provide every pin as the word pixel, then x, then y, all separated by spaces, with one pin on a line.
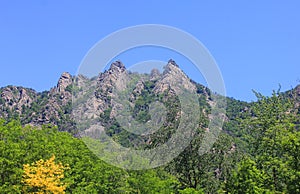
pixel 64 81
pixel 173 76
pixel 117 66
pixel 172 62
pixel 111 75
pixel 103 90
pixel 172 68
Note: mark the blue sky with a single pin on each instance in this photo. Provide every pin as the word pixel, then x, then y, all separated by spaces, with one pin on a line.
pixel 255 43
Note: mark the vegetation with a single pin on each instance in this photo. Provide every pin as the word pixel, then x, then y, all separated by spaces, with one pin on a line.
pixel 25 164
pixel 44 177
pixel 272 165
pixel 257 152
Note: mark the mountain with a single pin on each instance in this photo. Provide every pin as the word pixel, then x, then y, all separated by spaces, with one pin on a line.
pixel 55 106
pixel 123 105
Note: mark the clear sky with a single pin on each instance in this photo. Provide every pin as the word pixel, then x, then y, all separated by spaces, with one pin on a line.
pixel 255 43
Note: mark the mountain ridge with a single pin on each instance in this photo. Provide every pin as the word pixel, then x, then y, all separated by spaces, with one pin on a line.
pixel 54 106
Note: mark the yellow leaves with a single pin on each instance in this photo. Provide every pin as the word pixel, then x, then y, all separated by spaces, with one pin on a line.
pixel 44 177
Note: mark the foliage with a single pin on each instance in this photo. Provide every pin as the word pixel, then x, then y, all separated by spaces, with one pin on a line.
pixel 205 172
pixel 191 191
pixel 246 179
pixel 273 144
pixel 44 177
pixel 87 174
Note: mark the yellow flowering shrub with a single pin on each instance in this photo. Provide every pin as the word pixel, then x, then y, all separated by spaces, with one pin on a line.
pixel 44 177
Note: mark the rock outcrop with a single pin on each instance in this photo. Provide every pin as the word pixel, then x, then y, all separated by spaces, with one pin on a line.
pixel 15 99
pixel 64 81
pixel 174 79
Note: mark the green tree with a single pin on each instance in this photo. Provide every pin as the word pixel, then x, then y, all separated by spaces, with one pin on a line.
pixel 205 172
pixel 87 174
pixel 273 143
pixel 246 179
pixel 11 156
pixel 191 191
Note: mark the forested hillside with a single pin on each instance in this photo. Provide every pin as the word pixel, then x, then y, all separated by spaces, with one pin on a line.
pixel 42 151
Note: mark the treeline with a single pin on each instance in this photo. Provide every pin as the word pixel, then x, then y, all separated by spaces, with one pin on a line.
pixel 272 138
pixel 22 147
pixel 258 152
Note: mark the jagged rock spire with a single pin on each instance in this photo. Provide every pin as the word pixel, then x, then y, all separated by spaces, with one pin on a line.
pixel 172 62
pixel 117 65
pixel 64 81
